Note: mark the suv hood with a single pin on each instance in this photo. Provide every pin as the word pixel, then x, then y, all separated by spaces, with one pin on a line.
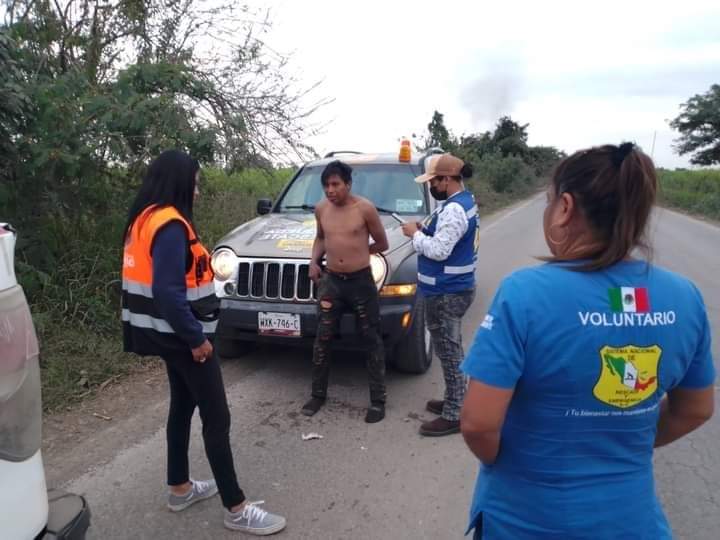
pixel 291 236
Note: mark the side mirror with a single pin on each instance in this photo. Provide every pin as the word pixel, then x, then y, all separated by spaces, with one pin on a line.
pixel 264 206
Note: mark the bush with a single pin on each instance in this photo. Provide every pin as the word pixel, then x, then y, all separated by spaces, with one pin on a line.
pixel 226 201
pixel 695 191
pixel 508 174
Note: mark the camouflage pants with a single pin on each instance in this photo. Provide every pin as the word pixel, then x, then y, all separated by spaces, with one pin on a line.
pixel 443 316
pixel 338 293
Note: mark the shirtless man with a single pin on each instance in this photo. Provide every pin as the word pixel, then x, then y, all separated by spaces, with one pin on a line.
pixel 344 224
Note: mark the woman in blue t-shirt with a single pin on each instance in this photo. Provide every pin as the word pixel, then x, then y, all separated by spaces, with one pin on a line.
pixel 583 365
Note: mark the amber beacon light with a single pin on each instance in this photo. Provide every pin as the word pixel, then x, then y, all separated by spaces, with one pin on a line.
pixel 405 151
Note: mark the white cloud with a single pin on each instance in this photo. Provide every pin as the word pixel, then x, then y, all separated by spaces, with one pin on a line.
pixel 580 73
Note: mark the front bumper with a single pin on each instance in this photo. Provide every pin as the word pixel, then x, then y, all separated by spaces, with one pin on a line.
pixel 239 321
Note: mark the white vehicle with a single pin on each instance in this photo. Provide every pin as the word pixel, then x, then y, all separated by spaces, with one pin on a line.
pixel 27 509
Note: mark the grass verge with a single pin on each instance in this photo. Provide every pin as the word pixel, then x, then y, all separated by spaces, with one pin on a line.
pixel 696 192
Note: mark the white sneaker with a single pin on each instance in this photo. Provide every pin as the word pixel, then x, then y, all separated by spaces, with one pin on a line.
pixel 253 520
pixel 200 490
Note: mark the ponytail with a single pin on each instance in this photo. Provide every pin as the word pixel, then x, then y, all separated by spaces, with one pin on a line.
pixel 615 188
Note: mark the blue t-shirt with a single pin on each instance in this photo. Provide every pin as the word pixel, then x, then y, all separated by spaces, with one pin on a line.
pixel 589 355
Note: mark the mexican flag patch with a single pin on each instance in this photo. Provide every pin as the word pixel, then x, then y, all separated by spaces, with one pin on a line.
pixel 629 300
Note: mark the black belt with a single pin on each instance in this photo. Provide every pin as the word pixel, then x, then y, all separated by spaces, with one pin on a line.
pixel 349 275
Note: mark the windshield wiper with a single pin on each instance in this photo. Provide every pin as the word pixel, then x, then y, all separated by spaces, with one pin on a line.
pixel 393 213
pixel 311 208
pixel 308 207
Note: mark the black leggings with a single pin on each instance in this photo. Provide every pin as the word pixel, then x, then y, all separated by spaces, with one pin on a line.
pixel 193 384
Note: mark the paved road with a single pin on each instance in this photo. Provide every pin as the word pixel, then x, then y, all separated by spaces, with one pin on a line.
pixel 381 481
pixel 688 471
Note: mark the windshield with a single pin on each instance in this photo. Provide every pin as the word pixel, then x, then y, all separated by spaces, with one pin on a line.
pixel 388 187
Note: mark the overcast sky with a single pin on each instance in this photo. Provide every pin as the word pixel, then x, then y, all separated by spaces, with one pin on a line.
pixel 580 73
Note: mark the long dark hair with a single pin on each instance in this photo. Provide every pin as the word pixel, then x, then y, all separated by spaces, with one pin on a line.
pixel 615 188
pixel 169 181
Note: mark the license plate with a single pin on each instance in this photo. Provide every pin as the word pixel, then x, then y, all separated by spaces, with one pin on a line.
pixel 279 324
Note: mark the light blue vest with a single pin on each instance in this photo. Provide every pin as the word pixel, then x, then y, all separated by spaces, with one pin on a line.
pixel 457 272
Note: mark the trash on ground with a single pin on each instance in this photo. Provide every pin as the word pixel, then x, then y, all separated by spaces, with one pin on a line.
pixel 311 436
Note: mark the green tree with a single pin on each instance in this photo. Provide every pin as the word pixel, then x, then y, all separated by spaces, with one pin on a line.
pixel 504 164
pixel 91 90
pixel 510 138
pixel 438 134
pixel 543 158
pixel 202 61
pixel 507 139
pixel 476 145
pixel 506 173
pixel 699 127
pixel 15 104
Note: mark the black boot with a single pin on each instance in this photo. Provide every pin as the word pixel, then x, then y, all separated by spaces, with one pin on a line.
pixel 313 406
pixel 375 412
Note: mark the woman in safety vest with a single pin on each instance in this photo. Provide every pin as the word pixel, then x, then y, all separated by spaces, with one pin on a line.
pixel 168 308
pixel 583 365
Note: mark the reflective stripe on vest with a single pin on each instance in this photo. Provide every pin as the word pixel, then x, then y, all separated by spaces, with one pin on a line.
pixel 139 311
pixel 133 287
pixel 422 278
pixel 159 325
pixel 460 269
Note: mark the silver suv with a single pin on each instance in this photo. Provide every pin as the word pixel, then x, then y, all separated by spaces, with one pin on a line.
pixel 261 267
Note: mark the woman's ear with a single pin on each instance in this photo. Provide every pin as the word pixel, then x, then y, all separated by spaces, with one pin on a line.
pixel 565 210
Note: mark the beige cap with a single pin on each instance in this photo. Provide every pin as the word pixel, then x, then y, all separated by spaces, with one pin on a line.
pixel 441 165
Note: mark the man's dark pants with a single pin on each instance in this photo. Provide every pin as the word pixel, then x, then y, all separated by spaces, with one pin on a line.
pixel 355 292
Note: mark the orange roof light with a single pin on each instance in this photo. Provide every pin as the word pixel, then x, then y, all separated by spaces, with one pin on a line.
pixel 405 151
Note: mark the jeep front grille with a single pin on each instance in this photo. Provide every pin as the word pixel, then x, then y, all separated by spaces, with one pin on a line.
pixel 275 279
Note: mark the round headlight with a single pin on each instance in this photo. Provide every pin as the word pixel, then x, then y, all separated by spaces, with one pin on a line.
pixel 224 264
pixel 378 266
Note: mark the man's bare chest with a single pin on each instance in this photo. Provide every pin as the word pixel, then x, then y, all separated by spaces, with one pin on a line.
pixel 344 223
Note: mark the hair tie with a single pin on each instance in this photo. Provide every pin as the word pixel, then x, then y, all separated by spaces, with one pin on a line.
pixel 621 152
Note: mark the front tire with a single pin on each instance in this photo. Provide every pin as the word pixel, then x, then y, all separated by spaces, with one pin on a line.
pixel 414 353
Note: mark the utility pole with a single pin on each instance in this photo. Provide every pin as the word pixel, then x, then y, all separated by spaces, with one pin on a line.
pixel 652 151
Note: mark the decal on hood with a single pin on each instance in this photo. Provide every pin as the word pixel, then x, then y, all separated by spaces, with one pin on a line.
pixel 293 237
pixel 294 244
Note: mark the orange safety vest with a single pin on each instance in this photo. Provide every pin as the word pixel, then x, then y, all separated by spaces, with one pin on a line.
pixel 144 329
